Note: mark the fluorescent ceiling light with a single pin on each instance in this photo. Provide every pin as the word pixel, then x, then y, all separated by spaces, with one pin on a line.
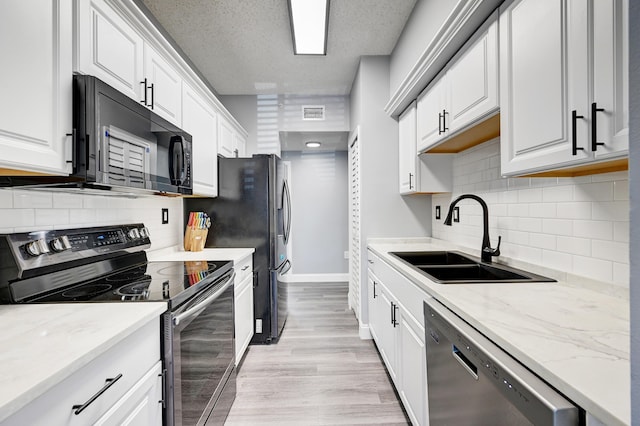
pixel 309 21
pixel 313 144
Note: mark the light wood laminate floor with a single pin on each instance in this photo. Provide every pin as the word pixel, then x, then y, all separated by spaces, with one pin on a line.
pixel 319 373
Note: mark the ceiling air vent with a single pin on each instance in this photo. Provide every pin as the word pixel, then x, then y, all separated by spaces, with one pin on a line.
pixel 313 112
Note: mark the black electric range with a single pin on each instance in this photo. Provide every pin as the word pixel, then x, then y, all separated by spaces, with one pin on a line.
pixel 98 264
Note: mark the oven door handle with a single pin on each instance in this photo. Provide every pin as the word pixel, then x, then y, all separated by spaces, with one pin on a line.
pixel 196 309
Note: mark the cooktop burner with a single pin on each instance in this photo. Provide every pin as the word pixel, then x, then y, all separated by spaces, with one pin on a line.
pixel 153 281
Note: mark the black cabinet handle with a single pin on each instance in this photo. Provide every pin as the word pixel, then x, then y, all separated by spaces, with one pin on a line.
pixel 74 142
pixel 374 290
pixel 152 94
pixel 574 136
pixel 394 308
pixel 109 382
pixel 410 184
pixel 594 127
pixel 444 121
pixel 144 88
pixel 163 401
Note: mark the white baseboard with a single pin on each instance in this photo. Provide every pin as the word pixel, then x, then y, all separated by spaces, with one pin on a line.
pixel 364 333
pixel 315 278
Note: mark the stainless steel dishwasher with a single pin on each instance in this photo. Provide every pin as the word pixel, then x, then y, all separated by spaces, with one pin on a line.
pixel 471 381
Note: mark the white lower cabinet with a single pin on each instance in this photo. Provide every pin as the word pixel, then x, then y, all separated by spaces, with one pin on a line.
pixel 397 326
pixel 121 386
pixel 243 305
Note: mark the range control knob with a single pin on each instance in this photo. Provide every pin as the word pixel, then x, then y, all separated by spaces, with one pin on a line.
pixel 36 248
pixel 134 234
pixel 144 232
pixel 60 244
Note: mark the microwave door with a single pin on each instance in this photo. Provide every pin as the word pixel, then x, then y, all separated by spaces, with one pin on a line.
pixel 126 158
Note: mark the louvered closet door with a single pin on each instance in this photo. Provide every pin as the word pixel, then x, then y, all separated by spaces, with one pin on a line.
pixel 354 230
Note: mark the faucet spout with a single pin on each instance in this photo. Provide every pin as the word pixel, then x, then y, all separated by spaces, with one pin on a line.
pixel 486 251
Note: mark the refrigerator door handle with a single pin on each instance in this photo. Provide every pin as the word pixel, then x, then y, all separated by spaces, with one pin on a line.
pixel 286 266
pixel 287 224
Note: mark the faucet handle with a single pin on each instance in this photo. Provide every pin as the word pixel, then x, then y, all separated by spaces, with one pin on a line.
pixel 494 251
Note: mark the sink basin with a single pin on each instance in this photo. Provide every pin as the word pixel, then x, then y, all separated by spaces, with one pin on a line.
pixel 451 267
pixel 425 258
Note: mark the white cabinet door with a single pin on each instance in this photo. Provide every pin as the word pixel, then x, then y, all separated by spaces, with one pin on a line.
pixel 473 82
pixel 413 368
pixel 164 87
pixel 243 316
pixel 226 138
pixel 141 405
pixel 407 150
pixel 36 86
pixel 241 145
pixel 374 310
pixel 109 48
pixel 388 336
pixel 199 119
pixel 431 114
pixel 548 112
pixel 610 77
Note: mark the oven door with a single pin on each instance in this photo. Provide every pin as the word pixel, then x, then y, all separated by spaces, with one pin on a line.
pixel 199 354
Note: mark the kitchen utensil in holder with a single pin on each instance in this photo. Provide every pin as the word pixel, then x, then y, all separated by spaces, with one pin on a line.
pixel 197 230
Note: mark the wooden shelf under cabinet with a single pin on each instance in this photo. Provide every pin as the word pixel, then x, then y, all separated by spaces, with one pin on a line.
pixel 475 135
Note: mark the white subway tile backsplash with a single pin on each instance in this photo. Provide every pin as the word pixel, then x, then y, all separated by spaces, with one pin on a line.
pixel 52 217
pixel 6 199
pixel 611 250
pixel 573 245
pixel 621 190
pixel 596 269
pixel 557 193
pixel 557 226
pixel 13 218
pixel 573 210
pixel 597 229
pixel 578 225
pixel 621 231
pixel 67 201
pixel 32 200
pixel 599 191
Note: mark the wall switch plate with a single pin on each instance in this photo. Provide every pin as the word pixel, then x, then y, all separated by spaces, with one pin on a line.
pixel 437 212
pixel 346 254
pixel 258 326
pixel 456 214
pixel 165 216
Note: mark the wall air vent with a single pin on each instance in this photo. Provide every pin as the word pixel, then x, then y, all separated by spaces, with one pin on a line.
pixel 313 112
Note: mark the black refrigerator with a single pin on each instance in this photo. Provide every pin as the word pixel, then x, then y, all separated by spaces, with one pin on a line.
pixel 253 209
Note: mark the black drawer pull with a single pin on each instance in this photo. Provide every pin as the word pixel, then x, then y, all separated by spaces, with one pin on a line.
pixel 594 127
pixel 574 136
pixel 109 382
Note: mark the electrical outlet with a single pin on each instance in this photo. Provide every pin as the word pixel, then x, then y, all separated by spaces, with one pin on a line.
pixel 346 254
pixel 456 214
pixel 258 326
pixel 165 216
pixel 437 212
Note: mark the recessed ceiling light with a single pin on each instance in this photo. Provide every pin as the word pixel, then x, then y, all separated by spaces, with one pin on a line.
pixel 309 22
pixel 313 144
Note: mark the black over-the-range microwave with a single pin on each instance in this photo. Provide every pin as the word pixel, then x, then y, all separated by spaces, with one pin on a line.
pixel 119 145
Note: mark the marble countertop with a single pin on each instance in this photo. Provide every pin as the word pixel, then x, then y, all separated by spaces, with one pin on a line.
pixel 44 344
pixel 178 253
pixel 577 339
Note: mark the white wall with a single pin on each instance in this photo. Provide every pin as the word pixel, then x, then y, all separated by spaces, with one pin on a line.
pixel 319 197
pixel 265 116
pixel 24 211
pixel 577 225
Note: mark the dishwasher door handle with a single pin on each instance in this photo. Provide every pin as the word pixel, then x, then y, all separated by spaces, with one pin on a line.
pixel 464 361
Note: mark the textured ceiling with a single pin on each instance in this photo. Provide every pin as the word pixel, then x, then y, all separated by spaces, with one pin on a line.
pixel 244 47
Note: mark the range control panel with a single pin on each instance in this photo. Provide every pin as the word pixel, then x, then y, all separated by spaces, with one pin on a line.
pixel 43 248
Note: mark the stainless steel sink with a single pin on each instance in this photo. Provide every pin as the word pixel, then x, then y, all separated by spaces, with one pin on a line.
pixel 452 267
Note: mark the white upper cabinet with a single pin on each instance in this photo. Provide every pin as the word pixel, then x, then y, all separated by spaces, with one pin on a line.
pixel 164 87
pixel 35 86
pixel 559 85
pixel 464 94
pixel 426 173
pixel 241 145
pixel 109 48
pixel 200 121
pixel 226 138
